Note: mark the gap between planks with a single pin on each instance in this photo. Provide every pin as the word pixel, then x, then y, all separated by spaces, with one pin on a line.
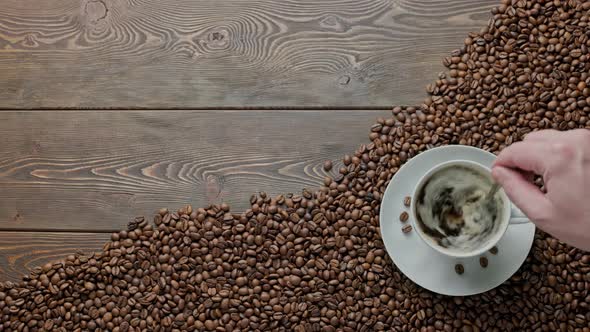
pixel 220 109
pixel 56 230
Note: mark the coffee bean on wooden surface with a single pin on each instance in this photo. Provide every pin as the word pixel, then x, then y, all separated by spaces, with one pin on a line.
pixel 404 216
pixel 315 260
pixel 494 250
pixel 407 201
pixel 328 165
pixel 459 269
pixel 483 261
pixel 407 228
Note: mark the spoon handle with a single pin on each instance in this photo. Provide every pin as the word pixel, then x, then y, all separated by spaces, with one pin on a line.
pixel 493 191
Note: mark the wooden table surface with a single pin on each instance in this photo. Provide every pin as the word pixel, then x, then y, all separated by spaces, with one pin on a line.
pixel 111 109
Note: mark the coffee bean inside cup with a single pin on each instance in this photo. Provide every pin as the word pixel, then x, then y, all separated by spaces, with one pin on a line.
pixel 453 210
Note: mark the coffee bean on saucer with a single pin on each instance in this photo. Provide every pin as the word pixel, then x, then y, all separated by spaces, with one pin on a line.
pixel 403 217
pixel 407 228
pixel 494 250
pixel 407 201
pixel 459 269
pixel 483 261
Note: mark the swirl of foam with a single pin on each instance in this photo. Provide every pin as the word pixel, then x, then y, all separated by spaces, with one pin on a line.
pixel 453 211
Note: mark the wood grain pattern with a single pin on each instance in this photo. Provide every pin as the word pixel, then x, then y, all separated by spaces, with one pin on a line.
pixel 78 170
pixel 230 53
pixel 23 251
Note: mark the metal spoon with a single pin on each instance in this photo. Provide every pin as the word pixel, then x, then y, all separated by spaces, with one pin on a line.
pixel 492 192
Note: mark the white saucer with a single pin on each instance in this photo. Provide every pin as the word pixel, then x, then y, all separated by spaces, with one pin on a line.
pixel 427 267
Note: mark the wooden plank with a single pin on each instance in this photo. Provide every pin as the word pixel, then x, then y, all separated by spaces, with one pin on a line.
pixel 78 170
pixel 227 53
pixel 20 252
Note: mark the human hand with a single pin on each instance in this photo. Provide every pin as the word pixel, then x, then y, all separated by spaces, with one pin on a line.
pixel 563 160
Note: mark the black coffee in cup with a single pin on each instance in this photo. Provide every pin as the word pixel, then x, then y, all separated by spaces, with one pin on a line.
pixel 452 208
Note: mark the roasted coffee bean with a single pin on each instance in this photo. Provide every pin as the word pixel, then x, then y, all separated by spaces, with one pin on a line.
pixel 483 261
pixel 406 229
pixel 459 269
pixel 404 216
pixel 494 250
pixel 407 201
pixel 316 261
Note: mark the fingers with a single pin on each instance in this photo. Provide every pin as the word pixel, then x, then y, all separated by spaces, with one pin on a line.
pixel 557 136
pixel 527 156
pixel 543 135
pixel 523 193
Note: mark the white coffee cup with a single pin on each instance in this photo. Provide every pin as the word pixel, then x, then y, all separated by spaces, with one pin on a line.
pixel 510 214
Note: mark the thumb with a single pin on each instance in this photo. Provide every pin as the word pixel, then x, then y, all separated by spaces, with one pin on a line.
pixel 524 194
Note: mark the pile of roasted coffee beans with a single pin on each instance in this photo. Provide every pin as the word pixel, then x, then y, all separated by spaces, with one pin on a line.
pixel 315 261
